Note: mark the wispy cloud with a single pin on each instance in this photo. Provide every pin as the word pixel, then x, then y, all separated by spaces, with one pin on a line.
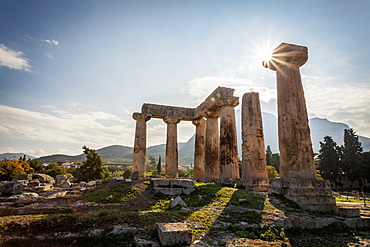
pixel 90 128
pixel 13 59
pixel 52 41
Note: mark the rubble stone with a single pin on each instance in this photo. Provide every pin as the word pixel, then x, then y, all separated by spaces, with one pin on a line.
pixel 174 234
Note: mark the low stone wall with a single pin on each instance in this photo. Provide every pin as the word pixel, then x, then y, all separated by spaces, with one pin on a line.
pixel 173 187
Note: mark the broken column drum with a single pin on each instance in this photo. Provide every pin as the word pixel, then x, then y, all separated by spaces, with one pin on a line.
pixel 199 147
pixel 139 155
pixel 296 155
pixel 171 147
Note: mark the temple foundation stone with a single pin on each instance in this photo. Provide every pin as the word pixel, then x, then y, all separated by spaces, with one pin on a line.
pixel 254 171
pixel 297 169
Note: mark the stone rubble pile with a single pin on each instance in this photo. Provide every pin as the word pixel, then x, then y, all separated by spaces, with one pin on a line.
pixel 173 187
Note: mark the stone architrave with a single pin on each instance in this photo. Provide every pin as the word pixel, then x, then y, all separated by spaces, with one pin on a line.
pixel 171 147
pixel 229 167
pixel 253 147
pixel 199 148
pixel 212 164
pixel 296 154
pixel 139 155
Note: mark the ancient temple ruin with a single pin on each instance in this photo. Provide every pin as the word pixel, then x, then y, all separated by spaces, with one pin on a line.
pixel 215 155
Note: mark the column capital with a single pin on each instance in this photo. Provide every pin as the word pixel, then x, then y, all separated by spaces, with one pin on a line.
pixel 140 117
pixel 288 55
pixel 199 121
pixel 228 102
pixel 169 120
pixel 212 113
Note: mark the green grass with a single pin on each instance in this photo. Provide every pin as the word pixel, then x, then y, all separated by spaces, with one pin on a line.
pixel 122 192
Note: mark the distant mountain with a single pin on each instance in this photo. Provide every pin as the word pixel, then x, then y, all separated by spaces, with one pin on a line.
pixel 15 156
pixel 320 127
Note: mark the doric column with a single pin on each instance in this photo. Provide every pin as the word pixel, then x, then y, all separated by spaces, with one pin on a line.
pixel 296 155
pixel 212 165
pixel 171 147
pixel 139 155
pixel 253 147
pixel 199 148
pixel 229 167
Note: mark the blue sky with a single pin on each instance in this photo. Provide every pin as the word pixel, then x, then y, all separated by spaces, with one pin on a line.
pixel 73 72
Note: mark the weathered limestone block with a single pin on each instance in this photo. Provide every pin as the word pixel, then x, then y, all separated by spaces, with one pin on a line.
pixel 358 222
pixel 160 182
pixel 311 194
pixel 187 191
pixel 59 179
pixel 43 178
pixel 182 183
pixel 229 165
pixel 256 184
pixel 27 177
pixel 169 191
pixel 178 202
pixel 253 147
pixel 174 234
pixel 17 188
pixel 65 184
pixel 171 147
pixel 199 148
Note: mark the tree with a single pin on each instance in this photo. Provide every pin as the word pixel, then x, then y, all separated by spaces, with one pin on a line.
pixel 275 161
pixel 9 168
pixel 329 163
pixel 36 165
pixel 159 168
pixel 93 168
pixel 268 155
pixel 54 169
pixel 351 156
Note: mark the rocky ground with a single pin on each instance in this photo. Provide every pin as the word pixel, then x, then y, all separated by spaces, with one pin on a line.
pixel 124 214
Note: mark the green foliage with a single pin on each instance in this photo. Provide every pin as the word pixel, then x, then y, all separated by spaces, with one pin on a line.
pixel 186 173
pixel 329 164
pixel 268 155
pixel 93 168
pixel 264 232
pixel 54 169
pixel 275 161
pixel 36 164
pixel 159 166
pixel 9 168
pixel 271 172
pixel 232 216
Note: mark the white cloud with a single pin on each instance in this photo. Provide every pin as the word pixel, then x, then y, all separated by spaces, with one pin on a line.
pixel 90 128
pixel 54 42
pixel 13 59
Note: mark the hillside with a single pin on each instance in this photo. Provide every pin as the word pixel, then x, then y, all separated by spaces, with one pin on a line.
pixel 122 154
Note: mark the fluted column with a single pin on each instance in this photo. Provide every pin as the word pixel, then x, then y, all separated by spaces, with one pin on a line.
pixel 171 147
pixel 139 155
pixel 229 167
pixel 253 147
pixel 199 148
pixel 296 155
pixel 212 164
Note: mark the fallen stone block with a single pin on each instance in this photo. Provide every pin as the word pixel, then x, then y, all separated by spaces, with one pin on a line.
pixel 188 191
pixel 169 191
pixel 160 182
pixel 174 234
pixel 178 202
pixel 182 183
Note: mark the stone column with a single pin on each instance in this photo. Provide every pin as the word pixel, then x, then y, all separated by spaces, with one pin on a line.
pixel 254 171
pixel 171 147
pixel 139 155
pixel 199 149
pixel 212 165
pixel 229 167
pixel 296 155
